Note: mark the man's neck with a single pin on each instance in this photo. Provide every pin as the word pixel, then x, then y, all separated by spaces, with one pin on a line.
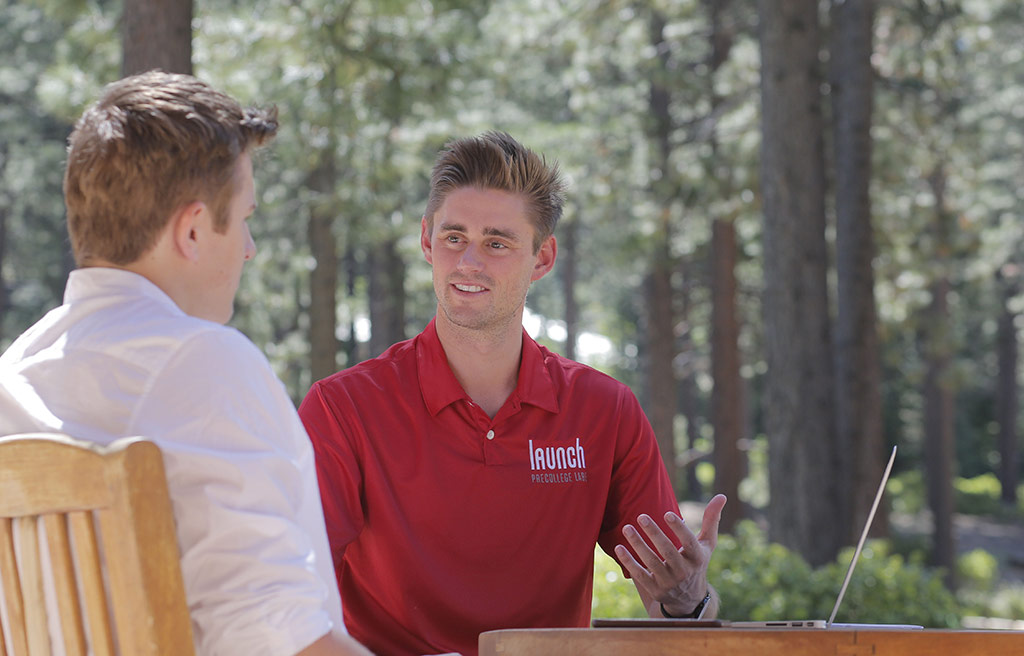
pixel 486 363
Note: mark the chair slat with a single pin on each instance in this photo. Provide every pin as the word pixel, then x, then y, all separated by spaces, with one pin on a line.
pixel 110 567
pixel 3 643
pixel 74 479
pixel 138 531
pixel 16 639
pixel 68 603
pixel 90 572
pixel 31 569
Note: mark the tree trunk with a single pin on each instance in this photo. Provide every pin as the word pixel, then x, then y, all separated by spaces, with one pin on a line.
pixel 156 34
pixel 686 374
pixel 938 429
pixel 567 258
pixel 727 405
pixel 728 414
pixel 858 366
pixel 661 383
pixel 799 396
pixel 387 296
pixel 1007 390
pixel 323 279
pixel 938 392
pixel 661 317
pixel 351 345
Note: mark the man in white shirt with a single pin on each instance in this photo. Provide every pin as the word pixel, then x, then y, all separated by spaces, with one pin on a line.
pixel 158 189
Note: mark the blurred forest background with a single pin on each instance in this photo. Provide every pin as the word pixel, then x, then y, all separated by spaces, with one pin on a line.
pixel 793 228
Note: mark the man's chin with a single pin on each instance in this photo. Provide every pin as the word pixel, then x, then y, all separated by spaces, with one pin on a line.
pixel 477 321
pixel 469 320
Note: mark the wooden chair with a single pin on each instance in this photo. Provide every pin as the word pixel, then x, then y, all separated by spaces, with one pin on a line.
pixel 107 552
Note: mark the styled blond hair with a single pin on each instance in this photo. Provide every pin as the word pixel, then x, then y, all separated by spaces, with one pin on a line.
pixel 495 160
pixel 151 144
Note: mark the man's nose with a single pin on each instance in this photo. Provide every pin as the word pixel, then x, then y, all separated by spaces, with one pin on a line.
pixel 471 259
pixel 250 244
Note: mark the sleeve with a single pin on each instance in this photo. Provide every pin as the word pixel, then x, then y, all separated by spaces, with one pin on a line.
pixel 250 526
pixel 337 464
pixel 639 482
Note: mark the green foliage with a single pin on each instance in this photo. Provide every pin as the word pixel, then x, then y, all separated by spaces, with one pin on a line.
pixel 906 491
pixel 890 588
pixel 761 581
pixel 979 495
pixel 977 570
pixel 758 580
pixel 614 594
pixel 1005 602
pixel 36 256
pixel 982 593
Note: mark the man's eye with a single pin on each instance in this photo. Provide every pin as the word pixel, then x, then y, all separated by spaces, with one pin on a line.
pixel 497 245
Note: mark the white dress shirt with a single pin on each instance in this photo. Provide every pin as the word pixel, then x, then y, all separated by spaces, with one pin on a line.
pixel 119 358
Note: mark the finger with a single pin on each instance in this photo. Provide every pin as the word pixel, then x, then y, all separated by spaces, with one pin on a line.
pixel 668 550
pixel 712 518
pixel 640 546
pixel 687 539
pixel 635 569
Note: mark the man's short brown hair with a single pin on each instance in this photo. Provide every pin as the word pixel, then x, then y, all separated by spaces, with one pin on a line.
pixel 150 145
pixel 494 160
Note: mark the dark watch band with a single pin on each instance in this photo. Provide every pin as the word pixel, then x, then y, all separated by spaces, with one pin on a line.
pixel 697 612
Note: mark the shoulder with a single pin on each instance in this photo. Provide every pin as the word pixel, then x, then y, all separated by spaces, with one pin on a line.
pixel 573 376
pixel 217 351
pixel 354 399
pixel 218 366
pixel 217 390
pixel 374 376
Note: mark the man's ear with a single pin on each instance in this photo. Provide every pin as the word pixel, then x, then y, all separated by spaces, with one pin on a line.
pixel 425 244
pixel 545 258
pixel 185 229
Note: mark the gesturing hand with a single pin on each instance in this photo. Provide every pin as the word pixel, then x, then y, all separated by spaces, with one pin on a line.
pixel 675 578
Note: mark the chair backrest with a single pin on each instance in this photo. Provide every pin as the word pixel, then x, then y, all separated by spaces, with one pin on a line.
pixel 87 533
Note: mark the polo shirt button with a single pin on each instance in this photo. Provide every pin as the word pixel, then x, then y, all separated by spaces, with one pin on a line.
pixel 490 435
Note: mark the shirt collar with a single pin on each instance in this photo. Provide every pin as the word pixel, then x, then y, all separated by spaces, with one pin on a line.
pixel 440 388
pixel 90 282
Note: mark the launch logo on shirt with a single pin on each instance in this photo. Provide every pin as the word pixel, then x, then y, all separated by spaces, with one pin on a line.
pixel 558 464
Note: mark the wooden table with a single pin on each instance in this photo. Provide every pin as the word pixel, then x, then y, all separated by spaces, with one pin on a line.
pixel 749 642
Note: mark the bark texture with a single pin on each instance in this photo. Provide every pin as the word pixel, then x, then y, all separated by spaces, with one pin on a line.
pixel 799 395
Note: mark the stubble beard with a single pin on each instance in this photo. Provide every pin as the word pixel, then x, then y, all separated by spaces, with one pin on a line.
pixel 488 320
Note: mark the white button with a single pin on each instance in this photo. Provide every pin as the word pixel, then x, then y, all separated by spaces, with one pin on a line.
pixel 490 435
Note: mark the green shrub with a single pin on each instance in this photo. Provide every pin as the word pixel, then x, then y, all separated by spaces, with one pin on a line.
pixel 889 588
pixel 614 594
pixel 1006 602
pixel 978 495
pixel 762 581
pixel 906 490
pixel 758 580
pixel 977 570
pixel 982 593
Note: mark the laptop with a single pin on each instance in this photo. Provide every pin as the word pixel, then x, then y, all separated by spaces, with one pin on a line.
pixel 830 623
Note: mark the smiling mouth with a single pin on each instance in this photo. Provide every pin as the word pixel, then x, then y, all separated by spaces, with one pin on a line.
pixel 468 288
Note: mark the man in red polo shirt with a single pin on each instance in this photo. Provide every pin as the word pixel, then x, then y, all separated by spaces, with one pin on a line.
pixel 467 473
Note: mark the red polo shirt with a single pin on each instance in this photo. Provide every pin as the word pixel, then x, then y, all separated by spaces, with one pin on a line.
pixel 444 523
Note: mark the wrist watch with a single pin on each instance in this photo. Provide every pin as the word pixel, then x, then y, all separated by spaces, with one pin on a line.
pixel 697 613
